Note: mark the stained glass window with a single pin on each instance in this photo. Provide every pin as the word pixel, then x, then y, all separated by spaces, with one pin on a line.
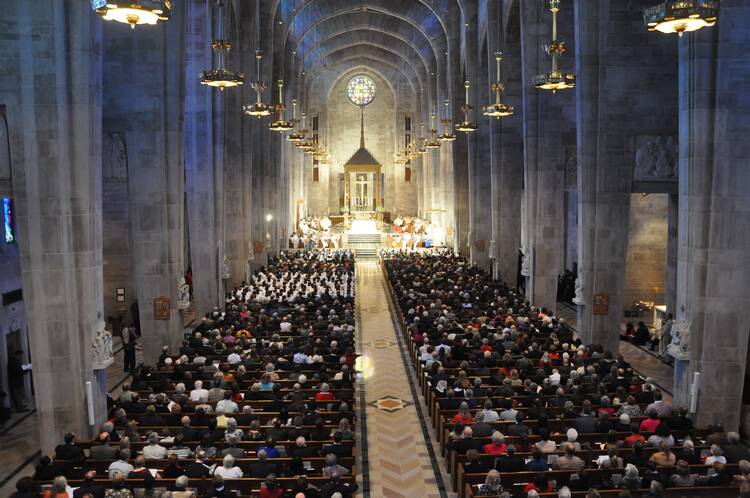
pixel 8 220
pixel 360 90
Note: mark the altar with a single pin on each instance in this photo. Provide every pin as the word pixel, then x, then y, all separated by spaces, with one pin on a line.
pixel 364 227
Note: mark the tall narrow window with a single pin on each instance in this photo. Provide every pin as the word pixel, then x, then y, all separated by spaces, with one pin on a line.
pixel 407 123
pixel 8 220
pixel 407 175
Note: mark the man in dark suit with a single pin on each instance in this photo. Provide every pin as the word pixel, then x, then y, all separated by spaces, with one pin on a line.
pixel 198 468
pixel 262 467
pixel 466 442
pixel 188 432
pixel 301 450
pixel 585 423
pixel 734 450
pixel 89 487
pixel 337 448
pixel 102 450
pixel 510 462
pixel 69 451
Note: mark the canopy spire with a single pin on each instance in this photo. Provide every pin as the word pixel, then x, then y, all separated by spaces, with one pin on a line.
pixel 361 127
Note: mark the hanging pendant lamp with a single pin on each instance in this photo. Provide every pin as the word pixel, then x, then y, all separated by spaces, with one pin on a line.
pixel 555 80
pixel 467 126
pixel 221 77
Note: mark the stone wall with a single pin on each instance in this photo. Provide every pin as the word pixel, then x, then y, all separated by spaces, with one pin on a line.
pixel 340 127
pixel 647 249
pixel 116 247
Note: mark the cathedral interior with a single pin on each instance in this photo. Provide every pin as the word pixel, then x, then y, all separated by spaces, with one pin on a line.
pixel 155 155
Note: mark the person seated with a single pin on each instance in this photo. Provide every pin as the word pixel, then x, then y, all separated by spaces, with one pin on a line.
pixel 538 462
pixel 492 484
pixel 510 462
pixel 665 457
pixel 497 445
pixel 228 469
pixel 682 478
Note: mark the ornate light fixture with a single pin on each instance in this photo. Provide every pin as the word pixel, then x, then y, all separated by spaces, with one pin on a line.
pixel 498 109
pixel 294 137
pixel 422 149
pixel 467 126
pixel 447 136
pixel 302 143
pixel 281 124
pixel 432 142
pixel 133 11
pixel 257 109
pixel 221 77
pixel 555 80
pixel 680 16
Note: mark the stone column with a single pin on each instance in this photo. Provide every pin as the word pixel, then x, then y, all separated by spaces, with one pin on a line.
pixel 609 131
pixel 506 161
pixel 55 144
pixel 670 274
pixel 203 161
pixel 145 97
pixel 545 128
pixel 713 266
pixel 603 185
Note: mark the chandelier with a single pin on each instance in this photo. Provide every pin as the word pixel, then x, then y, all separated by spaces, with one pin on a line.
pixel 281 124
pixel 555 80
pixel 421 149
pixel 467 126
pixel 133 11
pixel 303 144
pixel 433 142
pixel 498 109
pixel 446 136
pixel 294 137
pixel 258 109
pixel 222 77
pixel 680 16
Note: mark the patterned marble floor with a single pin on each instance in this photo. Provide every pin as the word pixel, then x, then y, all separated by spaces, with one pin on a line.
pixel 397 456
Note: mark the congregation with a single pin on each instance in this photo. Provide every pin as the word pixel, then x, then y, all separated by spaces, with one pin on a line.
pixel 523 409
pixel 259 400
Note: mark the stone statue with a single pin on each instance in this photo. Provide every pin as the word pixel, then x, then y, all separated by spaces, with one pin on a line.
pixel 656 159
pixel 525 263
pixel 101 348
pixel 183 294
pixel 679 348
pixel 250 251
pixel 226 269
pixel 492 249
pixel 578 299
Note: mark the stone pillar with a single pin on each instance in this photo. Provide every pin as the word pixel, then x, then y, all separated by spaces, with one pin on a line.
pixel 545 128
pixel 713 266
pixel 604 185
pixel 55 144
pixel 506 162
pixel 670 274
pixel 145 97
pixel 203 161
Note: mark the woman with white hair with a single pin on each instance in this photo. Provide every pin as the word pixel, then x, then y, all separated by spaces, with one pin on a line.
pixel 199 394
pixel 232 429
pixel 717 455
pixel 227 469
pixel 492 484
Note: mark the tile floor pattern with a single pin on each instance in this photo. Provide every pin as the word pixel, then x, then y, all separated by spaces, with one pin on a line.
pixel 399 463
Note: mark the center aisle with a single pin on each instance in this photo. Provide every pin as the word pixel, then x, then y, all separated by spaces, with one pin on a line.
pixel 395 451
